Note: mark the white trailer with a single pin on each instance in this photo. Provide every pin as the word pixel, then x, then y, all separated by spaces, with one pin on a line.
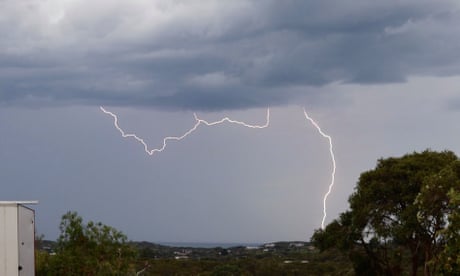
pixel 17 238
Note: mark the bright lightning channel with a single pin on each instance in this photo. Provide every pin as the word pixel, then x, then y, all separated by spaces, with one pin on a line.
pixel 331 151
pixel 227 119
pixel 178 138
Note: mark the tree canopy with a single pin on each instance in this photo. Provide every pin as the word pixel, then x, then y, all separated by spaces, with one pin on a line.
pixel 90 249
pixel 403 211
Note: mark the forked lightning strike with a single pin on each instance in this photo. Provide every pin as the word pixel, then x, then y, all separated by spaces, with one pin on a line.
pixel 178 138
pixel 331 151
pixel 226 119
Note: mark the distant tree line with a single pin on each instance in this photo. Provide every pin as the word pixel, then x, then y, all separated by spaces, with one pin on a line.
pixel 96 249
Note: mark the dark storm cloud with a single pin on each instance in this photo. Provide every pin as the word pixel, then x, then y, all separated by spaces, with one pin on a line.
pixel 216 55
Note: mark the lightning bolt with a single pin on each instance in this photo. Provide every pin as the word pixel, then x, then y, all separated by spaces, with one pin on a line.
pixel 228 120
pixel 331 151
pixel 178 138
pixel 140 140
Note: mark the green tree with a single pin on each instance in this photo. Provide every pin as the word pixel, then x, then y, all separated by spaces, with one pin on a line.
pixel 450 256
pixel 91 249
pixel 399 210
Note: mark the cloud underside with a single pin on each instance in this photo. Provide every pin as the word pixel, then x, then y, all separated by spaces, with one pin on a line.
pixel 216 54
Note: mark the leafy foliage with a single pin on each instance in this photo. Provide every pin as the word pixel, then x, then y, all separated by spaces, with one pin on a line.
pixel 400 212
pixel 91 249
pixel 450 256
pixel 97 249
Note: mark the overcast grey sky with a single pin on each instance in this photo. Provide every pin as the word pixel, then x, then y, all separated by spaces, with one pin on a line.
pixel 381 78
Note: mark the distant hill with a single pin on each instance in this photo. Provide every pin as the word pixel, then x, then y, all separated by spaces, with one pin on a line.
pixel 158 251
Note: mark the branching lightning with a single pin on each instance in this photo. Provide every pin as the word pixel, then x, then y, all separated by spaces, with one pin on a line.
pixel 178 138
pixel 331 151
pixel 228 120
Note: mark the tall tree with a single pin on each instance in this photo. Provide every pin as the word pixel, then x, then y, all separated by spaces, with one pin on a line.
pixel 399 208
pixel 91 249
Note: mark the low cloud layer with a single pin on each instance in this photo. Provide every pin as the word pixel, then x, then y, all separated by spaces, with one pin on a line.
pixel 212 55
